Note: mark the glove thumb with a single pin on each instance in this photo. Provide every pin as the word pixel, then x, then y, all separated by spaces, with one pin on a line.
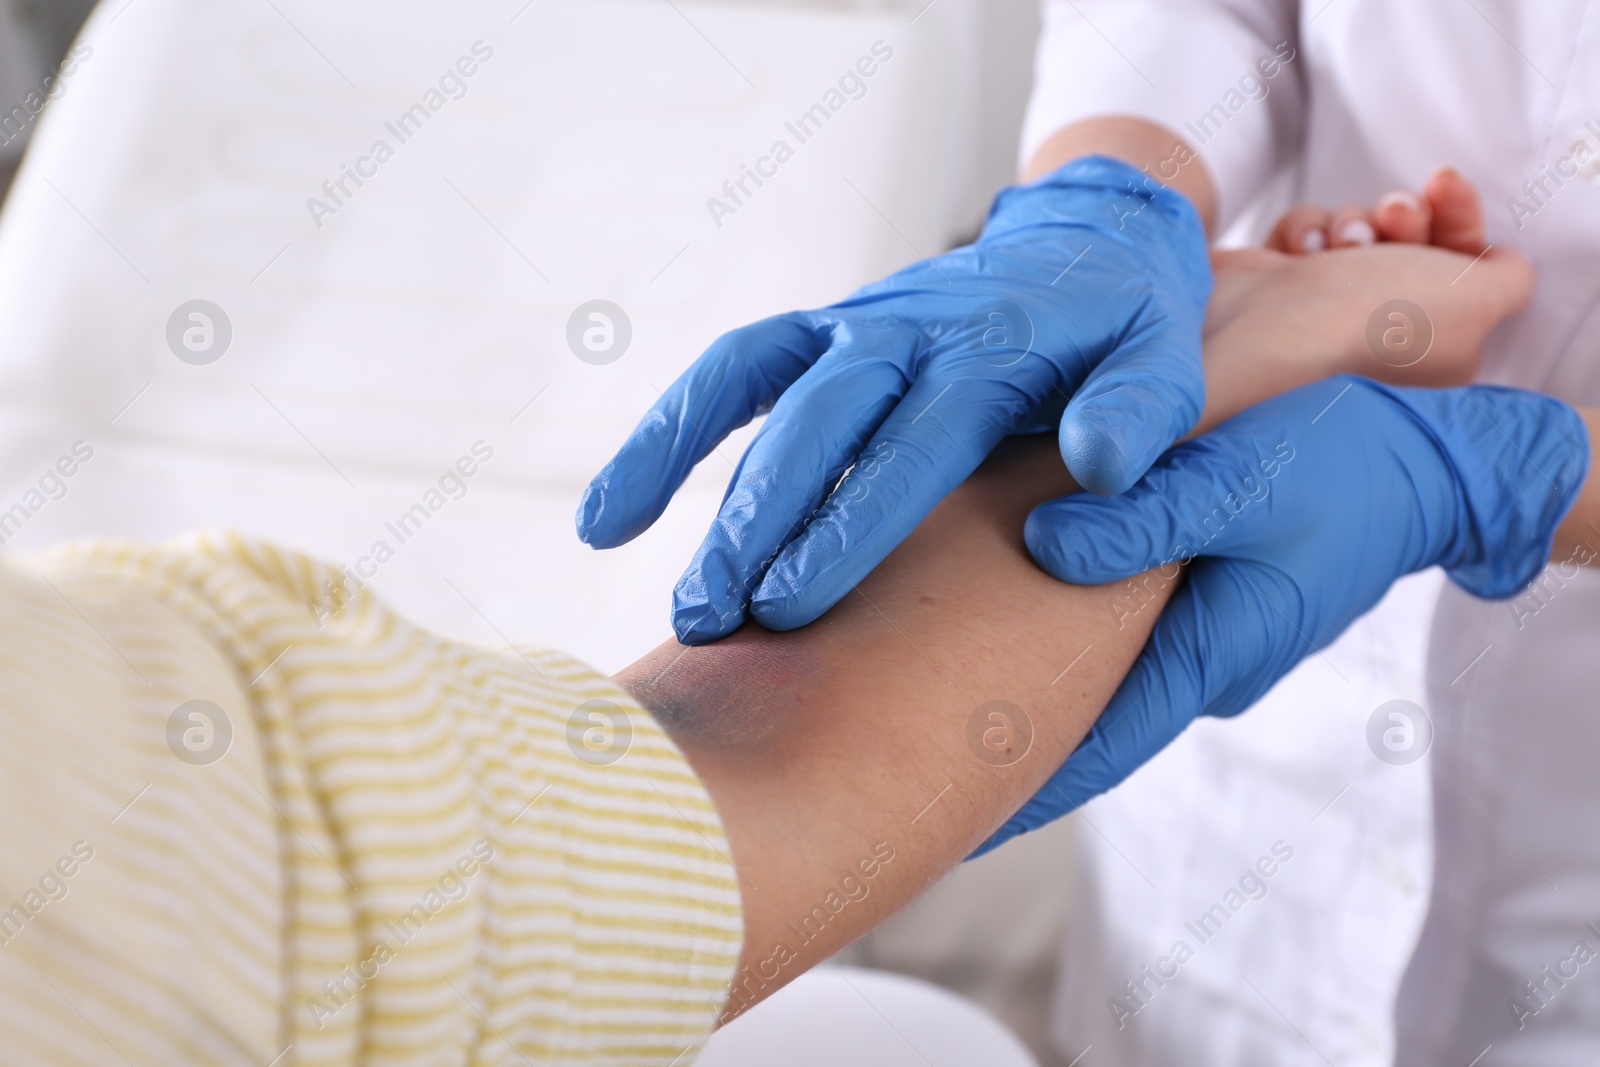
pixel 1140 399
pixel 1090 540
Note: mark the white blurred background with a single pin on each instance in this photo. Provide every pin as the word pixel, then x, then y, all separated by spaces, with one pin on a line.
pixel 175 161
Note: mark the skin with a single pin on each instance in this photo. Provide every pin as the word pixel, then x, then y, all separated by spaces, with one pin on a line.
pixel 854 761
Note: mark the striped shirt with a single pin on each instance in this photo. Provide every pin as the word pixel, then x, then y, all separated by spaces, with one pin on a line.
pixel 247 825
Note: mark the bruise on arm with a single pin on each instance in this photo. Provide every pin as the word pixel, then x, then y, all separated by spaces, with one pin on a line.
pixel 857 759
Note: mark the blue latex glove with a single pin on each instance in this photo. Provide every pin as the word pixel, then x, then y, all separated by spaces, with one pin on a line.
pixel 1302 511
pixel 1089 284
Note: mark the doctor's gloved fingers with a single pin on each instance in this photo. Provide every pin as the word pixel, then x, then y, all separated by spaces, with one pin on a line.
pixel 928 445
pixel 1135 404
pixel 1090 540
pixel 736 379
pixel 813 435
pixel 1303 228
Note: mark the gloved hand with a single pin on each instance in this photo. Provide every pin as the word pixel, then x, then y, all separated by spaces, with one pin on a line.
pixel 1302 511
pixel 1089 284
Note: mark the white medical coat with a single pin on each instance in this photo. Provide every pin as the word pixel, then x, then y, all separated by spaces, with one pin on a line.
pixel 1420 900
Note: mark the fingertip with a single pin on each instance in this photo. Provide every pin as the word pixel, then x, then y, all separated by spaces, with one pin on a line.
pixel 697 621
pixel 1073 539
pixel 1400 198
pixel 710 600
pixel 1402 218
pixel 1458 218
pixel 780 603
pixel 695 630
pixel 591 509
pixel 1304 228
pixel 1056 544
pixel 1090 449
pixel 1108 434
pixel 1355 233
pixel 609 515
pixel 633 488
pixel 1041 535
pixel 779 613
pixel 1448 187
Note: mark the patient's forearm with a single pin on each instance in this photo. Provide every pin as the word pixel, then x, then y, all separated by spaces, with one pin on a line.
pixel 856 760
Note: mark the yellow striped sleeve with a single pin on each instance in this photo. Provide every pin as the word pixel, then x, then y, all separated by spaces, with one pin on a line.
pixel 259 819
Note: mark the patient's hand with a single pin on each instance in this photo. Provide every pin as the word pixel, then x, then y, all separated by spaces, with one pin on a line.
pixel 1285 315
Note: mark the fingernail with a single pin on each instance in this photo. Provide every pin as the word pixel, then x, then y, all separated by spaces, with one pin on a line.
pixel 1357 232
pixel 1315 240
pixel 1399 199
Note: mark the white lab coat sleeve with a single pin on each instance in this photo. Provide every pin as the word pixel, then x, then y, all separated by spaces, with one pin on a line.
pixel 1190 65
